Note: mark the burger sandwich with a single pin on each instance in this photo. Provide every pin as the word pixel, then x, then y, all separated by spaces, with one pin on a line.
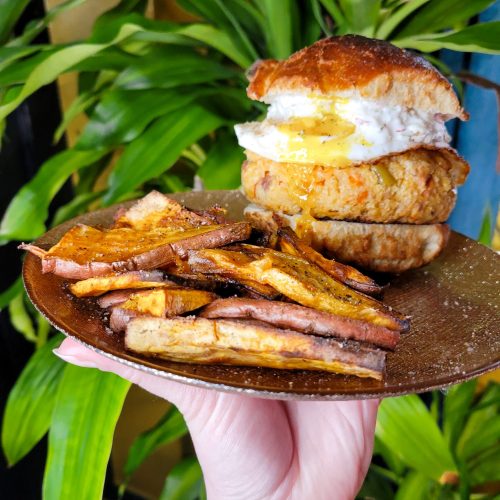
pixel 354 154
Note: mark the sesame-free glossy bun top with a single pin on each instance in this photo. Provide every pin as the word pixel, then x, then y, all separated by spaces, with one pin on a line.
pixel 353 66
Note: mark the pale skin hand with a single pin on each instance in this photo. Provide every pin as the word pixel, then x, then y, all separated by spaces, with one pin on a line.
pixel 253 448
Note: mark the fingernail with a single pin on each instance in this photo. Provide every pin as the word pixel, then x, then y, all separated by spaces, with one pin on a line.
pixel 74 360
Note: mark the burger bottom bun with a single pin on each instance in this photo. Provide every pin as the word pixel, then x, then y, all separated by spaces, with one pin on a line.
pixel 416 187
pixel 379 247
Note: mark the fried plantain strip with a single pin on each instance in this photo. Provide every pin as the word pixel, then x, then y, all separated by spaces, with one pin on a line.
pixel 302 319
pixel 290 243
pixel 236 342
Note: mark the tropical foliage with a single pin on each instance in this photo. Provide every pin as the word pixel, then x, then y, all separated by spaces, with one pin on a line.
pixel 161 99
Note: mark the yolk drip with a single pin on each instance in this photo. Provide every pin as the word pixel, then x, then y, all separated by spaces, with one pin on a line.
pixel 323 140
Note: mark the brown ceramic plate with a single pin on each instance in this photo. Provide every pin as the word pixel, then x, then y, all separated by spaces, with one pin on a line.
pixel 455 332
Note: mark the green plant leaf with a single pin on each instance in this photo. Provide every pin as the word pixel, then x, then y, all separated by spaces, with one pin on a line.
pixel 456 406
pixel 169 428
pixel 35 27
pixel 217 39
pixel 483 426
pixel 361 15
pixel 87 407
pixel 221 169
pixel 397 17
pixel 122 115
pixel 76 206
pixel 31 402
pixel 440 14
pixel 11 11
pixel 184 481
pixel 280 26
pixel 406 427
pixel 415 486
pixel 338 17
pixel 57 63
pixel 486 233
pixel 78 106
pixel 7 295
pixel 482 38
pixel 221 13
pixel 375 486
pixel 171 66
pixel 9 55
pixel 157 149
pixel 20 318
pixel 484 469
pixel 28 210
pixel 391 459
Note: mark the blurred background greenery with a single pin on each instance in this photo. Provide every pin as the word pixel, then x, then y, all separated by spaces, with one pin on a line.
pixel 149 93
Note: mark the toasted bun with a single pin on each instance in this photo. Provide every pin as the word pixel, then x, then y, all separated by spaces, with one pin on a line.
pixel 416 187
pixel 380 247
pixel 355 66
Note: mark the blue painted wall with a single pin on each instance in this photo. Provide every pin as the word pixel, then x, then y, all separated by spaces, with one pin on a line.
pixel 477 141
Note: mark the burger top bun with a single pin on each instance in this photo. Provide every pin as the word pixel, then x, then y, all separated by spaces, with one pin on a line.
pixel 353 66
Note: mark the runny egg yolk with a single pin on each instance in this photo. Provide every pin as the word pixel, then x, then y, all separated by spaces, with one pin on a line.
pixel 318 140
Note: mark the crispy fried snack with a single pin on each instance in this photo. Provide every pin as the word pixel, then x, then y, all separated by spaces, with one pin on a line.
pixel 93 287
pixel 290 243
pixel 299 280
pixel 233 342
pixel 85 252
pixel 301 319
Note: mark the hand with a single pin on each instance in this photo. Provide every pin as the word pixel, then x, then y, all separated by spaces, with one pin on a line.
pixel 252 448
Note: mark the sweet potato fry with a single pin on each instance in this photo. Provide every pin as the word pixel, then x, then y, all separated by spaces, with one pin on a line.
pixel 237 342
pixel 85 252
pixel 93 287
pixel 301 319
pixel 299 280
pixel 290 243
pixel 167 302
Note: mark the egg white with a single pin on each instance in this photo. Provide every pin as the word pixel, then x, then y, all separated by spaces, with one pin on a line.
pixel 379 130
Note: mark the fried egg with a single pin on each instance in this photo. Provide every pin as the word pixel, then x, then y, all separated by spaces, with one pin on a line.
pixel 336 131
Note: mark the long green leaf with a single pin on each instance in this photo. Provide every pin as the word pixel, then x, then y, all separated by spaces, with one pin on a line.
pixel 11 11
pixel 76 206
pixel 482 38
pixel 9 55
pixel 217 39
pixel 485 468
pixel 361 15
pixel 457 404
pixel 338 17
pixel 440 14
pixel 35 27
pixel 221 169
pixel 406 427
pixel 57 63
pixel 87 407
pixel 169 428
pixel 27 212
pixel 485 233
pixel 157 149
pixel 122 115
pixel 397 17
pixel 184 481
pixel 7 295
pixel 20 318
pixel 31 402
pixel 171 66
pixel 416 486
pixel 280 18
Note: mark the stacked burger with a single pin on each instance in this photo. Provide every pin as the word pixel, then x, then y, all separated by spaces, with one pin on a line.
pixel 354 153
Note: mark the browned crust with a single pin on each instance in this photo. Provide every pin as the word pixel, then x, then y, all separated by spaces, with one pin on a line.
pixel 380 247
pixel 151 259
pixel 302 319
pixel 355 66
pixel 238 342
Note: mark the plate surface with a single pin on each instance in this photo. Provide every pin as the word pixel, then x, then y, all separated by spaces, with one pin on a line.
pixel 455 332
